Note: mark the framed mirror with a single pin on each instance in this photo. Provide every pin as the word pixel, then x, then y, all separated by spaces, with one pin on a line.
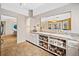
pixel 58 22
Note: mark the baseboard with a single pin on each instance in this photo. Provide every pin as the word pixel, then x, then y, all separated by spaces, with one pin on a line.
pixel 8 35
pixel 20 41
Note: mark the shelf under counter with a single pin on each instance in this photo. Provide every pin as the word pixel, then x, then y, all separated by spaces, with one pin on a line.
pixel 50 51
pixel 60 37
pixel 58 46
pixel 43 41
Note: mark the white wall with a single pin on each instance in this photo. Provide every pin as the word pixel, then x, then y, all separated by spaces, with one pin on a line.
pixel 29 26
pixel 74 8
pixel 7 25
pixel 75 18
pixel 8 29
pixel 35 21
pixel 21 19
pixel 21 32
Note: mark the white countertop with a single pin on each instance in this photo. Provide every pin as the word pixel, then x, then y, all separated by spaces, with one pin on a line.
pixel 59 35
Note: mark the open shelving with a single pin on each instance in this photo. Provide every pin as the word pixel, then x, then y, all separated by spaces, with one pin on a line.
pixel 57 42
pixel 50 51
pixel 43 41
pixel 57 50
pixel 56 46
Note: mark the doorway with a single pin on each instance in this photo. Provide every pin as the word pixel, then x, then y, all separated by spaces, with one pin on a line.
pixel 8 36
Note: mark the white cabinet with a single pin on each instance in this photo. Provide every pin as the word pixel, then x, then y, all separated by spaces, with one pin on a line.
pixel 56 44
pixel 28 37
pixel 35 39
pixel 71 51
pixel 72 48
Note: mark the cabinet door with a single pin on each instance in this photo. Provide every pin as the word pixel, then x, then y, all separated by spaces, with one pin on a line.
pixel 72 48
pixel 35 39
pixel 29 37
pixel 72 51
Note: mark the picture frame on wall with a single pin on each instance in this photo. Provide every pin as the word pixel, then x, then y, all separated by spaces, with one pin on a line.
pixel 49 25
pixel 59 24
pixel 67 24
pixel 55 25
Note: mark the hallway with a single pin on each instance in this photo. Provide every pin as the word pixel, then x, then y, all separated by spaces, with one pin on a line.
pixel 22 49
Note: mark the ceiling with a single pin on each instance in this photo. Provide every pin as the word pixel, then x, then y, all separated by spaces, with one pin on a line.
pixel 3 17
pixel 37 8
